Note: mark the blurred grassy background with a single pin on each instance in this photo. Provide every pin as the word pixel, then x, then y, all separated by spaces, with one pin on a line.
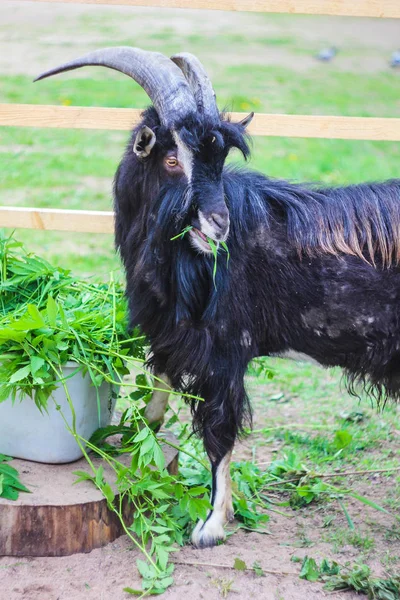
pixel 257 62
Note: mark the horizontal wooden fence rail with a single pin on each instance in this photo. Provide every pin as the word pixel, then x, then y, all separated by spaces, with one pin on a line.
pixel 306 126
pixel 56 219
pixel 346 8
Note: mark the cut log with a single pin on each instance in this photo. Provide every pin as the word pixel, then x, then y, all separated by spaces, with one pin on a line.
pixel 59 518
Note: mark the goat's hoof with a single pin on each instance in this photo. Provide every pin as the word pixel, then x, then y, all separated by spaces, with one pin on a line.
pixel 208 534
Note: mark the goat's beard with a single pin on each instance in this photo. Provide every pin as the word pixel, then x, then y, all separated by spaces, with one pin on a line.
pixel 175 273
pixel 169 214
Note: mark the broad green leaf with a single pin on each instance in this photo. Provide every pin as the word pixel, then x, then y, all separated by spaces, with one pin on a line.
pixel 142 435
pixel 4 393
pixel 329 569
pixel 309 569
pixel 52 311
pixel 35 314
pixel 162 557
pixel 159 459
pixel 82 476
pixel 108 493
pixel 20 374
pixel 197 490
pixel 146 570
pixel 9 493
pixel 7 334
pixel 342 438
pixel 239 565
pixel 17 485
pixel 36 363
pixel 99 476
pixel 9 471
pixel 257 569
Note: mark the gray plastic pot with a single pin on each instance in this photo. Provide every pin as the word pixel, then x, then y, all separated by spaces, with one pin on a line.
pixel 28 433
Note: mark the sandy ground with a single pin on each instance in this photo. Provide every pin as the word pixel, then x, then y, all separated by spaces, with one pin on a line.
pixel 36 36
pixel 205 574
pixel 103 573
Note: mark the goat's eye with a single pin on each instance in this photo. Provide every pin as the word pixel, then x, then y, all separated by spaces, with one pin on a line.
pixel 171 161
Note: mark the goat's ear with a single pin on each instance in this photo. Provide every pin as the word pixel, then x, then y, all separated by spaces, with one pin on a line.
pixel 247 120
pixel 144 142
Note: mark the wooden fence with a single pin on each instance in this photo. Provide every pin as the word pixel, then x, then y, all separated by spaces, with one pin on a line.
pixel 308 126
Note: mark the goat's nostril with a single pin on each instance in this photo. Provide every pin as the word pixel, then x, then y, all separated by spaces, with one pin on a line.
pixel 220 220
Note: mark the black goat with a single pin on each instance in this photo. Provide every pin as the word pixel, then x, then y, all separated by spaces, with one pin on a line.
pixel 312 270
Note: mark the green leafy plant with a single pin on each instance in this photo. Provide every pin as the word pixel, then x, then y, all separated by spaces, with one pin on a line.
pixel 182 233
pixel 360 579
pixel 49 317
pixel 10 485
pixel 165 506
pixel 260 367
pixel 357 578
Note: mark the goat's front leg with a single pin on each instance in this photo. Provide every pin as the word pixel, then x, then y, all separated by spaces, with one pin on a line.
pixel 219 418
pixel 211 531
pixel 155 410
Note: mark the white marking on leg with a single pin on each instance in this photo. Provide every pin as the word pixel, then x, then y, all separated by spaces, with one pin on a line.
pixel 209 532
pixel 157 406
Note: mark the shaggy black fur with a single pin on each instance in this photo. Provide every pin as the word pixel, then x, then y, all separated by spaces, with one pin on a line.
pixel 311 269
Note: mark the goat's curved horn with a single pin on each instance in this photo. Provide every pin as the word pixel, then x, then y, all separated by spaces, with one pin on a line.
pixel 161 79
pixel 200 84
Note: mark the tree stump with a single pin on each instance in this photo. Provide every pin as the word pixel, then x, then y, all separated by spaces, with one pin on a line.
pixel 59 518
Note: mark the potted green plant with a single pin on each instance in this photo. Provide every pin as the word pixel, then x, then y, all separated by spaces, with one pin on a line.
pixel 62 346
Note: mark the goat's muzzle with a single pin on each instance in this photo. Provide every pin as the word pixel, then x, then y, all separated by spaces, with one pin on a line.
pixel 213 224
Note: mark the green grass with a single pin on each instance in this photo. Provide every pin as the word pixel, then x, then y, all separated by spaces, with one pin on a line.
pixel 323 408
pixel 51 167
pixel 305 410
pixel 342 537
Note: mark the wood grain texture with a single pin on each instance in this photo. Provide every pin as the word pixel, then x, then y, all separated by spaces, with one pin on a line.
pixel 55 219
pixel 59 518
pixel 347 8
pixel 123 119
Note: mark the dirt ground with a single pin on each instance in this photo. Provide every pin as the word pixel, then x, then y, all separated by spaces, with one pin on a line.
pixel 103 573
pixel 207 574
pixel 200 574
pixel 34 34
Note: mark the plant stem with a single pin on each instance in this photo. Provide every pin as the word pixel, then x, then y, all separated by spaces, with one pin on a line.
pixel 219 566
pixel 366 472
pixel 291 426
